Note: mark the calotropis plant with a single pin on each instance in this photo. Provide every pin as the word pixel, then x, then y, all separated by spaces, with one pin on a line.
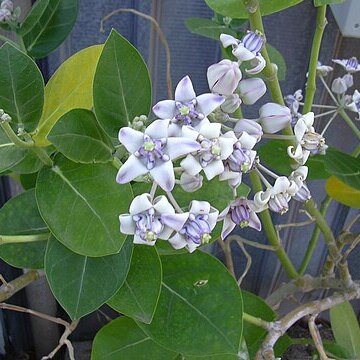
pixel 121 195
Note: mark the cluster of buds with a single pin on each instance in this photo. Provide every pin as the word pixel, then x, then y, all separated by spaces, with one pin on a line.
pixel 4 117
pixel 7 12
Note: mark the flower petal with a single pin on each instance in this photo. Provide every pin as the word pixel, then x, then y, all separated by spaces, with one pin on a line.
pixel 281 185
pixel 131 169
pixel 199 207
pixel 163 175
pixel 175 221
pixel 191 165
pixel 162 205
pixel 254 221
pixel 228 40
pixel 216 167
pixel 242 53
pixel 191 246
pixel 228 227
pixel 158 129
pixel 131 139
pixel 141 203
pixel 260 63
pixel 247 141
pixel 178 241
pixel 165 109
pixel 210 131
pixel 127 225
pixel 226 145
pixel 184 90
pixel 207 103
pixel 176 147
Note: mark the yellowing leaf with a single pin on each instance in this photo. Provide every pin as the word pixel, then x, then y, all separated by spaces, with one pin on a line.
pixel 69 88
pixel 343 193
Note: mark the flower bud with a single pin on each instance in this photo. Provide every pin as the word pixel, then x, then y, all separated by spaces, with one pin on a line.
pixel 348 79
pixel 303 194
pixel 338 86
pixel 231 103
pixel 274 117
pixel 5 15
pixel 251 90
pixel 249 126
pixel 224 77
pixel 279 203
pixel 7 4
pixel 190 183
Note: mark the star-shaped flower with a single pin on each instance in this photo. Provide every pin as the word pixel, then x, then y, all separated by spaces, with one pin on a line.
pixel 152 152
pixel 350 65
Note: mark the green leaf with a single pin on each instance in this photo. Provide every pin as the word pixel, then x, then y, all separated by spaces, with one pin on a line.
pixel 82 284
pixel 334 350
pixel 200 307
pixel 81 205
pixel 277 58
pixel 21 87
pixel 208 28
pixel 122 87
pixel 20 216
pixel 122 339
pixel 326 2
pixel 274 155
pixel 28 181
pixel 343 166
pixel 236 8
pixel 140 292
pixel 345 328
pixel 78 136
pixel 342 193
pixel 46 27
pixel 69 88
pixel 29 164
pixel 254 335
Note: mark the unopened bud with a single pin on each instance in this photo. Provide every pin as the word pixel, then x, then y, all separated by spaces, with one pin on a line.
pixel 338 86
pixel 274 117
pixel 190 183
pixel 5 15
pixel 251 90
pixel 348 79
pixel 303 194
pixel 231 103
pixel 7 4
pixel 249 126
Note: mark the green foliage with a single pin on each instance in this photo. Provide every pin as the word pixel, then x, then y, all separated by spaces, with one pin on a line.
pixel 140 292
pixel 93 280
pixel 345 328
pixel 79 129
pixel 208 28
pixel 122 87
pixel 342 193
pixel 193 286
pixel 20 216
pixel 93 201
pixel 47 25
pixel 277 58
pixel 123 339
pixel 236 8
pixel 22 87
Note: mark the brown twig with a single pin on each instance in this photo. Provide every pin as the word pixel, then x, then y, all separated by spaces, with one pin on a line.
pixel 314 331
pixel 160 33
pixel 225 247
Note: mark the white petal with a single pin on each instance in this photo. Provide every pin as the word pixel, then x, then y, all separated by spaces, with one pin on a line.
pixel 242 53
pixel 260 63
pixel 165 109
pixel 189 132
pixel 251 90
pixel 162 205
pixel 207 103
pixel 175 221
pixel 178 241
pixel 247 141
pixel 176 147
pixel 127 225
pixel 228 40
pixel 216 167
pixel 131 139
pixel 158 129
pixel 131 169
pixel 226 145
pixel 199 207
pixel 163 175
pixel 254 221
pixel 166 233
pixel 141 203
pixel 191 246
pixel 281 185
pixel 213 217
pixel 228 227
pixel 184 90
pixel 210 131
pixel 191 165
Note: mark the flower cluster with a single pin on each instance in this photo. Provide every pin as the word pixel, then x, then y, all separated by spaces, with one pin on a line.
pixel 7 12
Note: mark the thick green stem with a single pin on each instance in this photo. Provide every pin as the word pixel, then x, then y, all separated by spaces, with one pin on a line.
pixel 271 233
pixel 256 321
pixel 21 43
pixel 350 123
pixel 315 50
pixel 15 239
pixel 314 238
pixel 13 137
pixel 43 155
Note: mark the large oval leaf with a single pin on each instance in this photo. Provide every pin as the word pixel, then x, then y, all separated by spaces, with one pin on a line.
pixel 20 216
pixel 81 205
pixel 343 193
pixel 122 339
pixel 47 26
pixel 28 165
pixel 82 284
pixel 345 328
pixel 78 136
pixel 200 307
pixel 140 292
pixel 69 88
pixel 237 10
pixel 122 88
pixel 21 87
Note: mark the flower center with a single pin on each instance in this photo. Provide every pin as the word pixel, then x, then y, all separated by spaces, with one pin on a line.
pixel 279 203
pixel 148 225
pixel 149 146
pixel 239 160
pixel 187 115
pixel 197 229
pixel 240 215
pixel 312 142
pixel 184 110
pixel 352 62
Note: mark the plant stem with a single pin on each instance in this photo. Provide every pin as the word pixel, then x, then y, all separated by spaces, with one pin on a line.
pixel 13 137
pixel 43 155
pixel 14 239
pixel 314 239
pixel 5 39
pixel 350 123
pixel 21 44
pixel 328 90
pixel 256 321
pixel 271 232
pixel 315 50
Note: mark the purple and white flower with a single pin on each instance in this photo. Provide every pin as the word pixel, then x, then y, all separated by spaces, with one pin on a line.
pixel 248 49
pixel 323 70
pixel 299 176
pixel 151 220
pixel 293 103
pixel 239 213
pixel 223 77
pixel 251 127
pixel 152 152
pixel 274 117
pixel 201 220
pixel 355 104
pixel 350 65
pixel 251 90
pixel 214 148
pixel 187 108
pixel 5 15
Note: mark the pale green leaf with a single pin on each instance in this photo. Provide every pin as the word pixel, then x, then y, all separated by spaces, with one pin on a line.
pixel 343 193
